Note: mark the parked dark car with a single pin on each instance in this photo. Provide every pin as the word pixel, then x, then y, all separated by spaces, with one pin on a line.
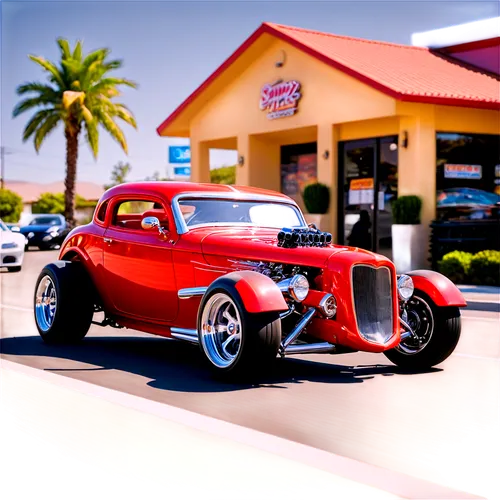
pixel 45 231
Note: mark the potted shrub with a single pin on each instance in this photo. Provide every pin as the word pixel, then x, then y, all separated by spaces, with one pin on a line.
pixel 409 237
pixel 317 201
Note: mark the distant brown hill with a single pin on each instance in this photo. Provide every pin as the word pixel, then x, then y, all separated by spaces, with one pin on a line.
pixel 31 191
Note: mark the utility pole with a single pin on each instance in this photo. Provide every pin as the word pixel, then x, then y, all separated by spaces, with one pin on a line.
pixel 3 152
pixel 2 166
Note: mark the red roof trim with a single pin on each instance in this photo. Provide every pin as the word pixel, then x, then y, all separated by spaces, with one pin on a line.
pixel 275 31
pixel 464 47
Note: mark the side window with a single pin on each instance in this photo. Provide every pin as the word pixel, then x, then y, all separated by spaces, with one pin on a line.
pixel 101 214
pixel 129 213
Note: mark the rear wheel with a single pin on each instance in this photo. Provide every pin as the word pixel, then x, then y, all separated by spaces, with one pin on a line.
pixel 64 304
pixel 233 341
pixel 437 332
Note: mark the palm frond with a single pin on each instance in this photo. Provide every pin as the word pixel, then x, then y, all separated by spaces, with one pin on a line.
pixel 113 129
pixel 97 55
pixel 41 88
pixel 44 130
pixel 32 102
pixel 92 136
pixel 51 68
pixel 35 121
pixel 125 115
pixel 64 47
pixel 87 114
pixel 106 84
pixel 77 53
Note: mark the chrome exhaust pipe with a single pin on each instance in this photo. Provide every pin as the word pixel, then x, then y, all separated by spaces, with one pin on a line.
pixel 292 336
pixel 310 348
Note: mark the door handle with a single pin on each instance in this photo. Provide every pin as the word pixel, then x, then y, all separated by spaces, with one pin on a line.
pixel 108 240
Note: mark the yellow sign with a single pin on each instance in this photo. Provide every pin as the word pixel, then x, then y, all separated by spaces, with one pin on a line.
pixel 357 184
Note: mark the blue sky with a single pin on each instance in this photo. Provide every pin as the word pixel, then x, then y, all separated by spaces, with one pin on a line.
pixel 169 48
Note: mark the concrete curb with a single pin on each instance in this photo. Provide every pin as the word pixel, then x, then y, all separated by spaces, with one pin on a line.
pixel 134 436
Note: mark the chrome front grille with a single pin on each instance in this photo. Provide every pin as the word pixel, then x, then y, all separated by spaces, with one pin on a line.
pixel 372 300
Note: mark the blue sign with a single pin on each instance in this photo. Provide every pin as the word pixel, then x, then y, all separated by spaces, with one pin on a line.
pixel 179 154
pixel 182 171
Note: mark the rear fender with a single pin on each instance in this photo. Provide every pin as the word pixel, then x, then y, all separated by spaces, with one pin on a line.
pixel 258 293
pixel 439 288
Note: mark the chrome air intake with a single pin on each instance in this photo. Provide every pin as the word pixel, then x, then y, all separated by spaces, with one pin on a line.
pixel 310 237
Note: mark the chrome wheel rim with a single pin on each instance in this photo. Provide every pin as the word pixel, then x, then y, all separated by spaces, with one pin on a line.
pixel 419 317
pixel 45 303
pixel 221 330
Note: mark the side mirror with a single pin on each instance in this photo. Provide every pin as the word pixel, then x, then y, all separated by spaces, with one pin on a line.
pixel 149 223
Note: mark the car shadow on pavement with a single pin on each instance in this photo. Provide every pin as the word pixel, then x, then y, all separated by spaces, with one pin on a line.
pixel 173 366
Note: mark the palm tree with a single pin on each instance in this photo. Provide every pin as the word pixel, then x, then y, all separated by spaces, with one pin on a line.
pixel 80 95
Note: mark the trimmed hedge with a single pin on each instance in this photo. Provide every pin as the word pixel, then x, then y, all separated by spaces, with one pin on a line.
pixel 316 198
pixel 482 268
pixel 407 209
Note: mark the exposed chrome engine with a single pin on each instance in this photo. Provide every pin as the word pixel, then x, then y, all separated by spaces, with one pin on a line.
pixel 310 237
pixel 278 272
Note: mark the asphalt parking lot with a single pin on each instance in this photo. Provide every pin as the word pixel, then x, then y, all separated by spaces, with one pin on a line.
pixel 441 426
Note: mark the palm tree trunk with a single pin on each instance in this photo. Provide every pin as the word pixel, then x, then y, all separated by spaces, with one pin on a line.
pixel 70 181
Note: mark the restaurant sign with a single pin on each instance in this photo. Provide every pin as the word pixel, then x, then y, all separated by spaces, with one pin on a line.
pixel 280 99
pixel 459 171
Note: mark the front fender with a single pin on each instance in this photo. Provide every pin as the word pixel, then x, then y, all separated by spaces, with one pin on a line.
pixel 259 293
pixel 439 288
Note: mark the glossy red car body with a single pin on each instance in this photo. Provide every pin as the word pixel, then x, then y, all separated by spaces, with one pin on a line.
pixel 138 274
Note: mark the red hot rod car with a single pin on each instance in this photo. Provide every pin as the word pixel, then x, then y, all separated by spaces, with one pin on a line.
pixel 238 271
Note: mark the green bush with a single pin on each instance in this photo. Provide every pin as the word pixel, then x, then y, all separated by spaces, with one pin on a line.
pixel 407 209
pixel 485 268
pixel 49 203
pixel 316 198
pixel 223 175
pixel 53 203
pixel 482 268
pixel 455 265
pixel 11 206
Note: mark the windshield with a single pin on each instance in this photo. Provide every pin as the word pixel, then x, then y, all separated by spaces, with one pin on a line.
pixel 3 227
pixel 45 221
pixel 234 212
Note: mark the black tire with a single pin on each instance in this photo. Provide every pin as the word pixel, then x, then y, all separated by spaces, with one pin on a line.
pixel 14 269
pixel 442 341
pixel 260 335
pixel 74 297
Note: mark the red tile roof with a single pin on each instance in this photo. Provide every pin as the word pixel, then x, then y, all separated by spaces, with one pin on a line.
pixel 405 72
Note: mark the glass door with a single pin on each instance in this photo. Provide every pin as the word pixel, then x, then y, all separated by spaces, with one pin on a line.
pixel 367 167
pixel 359 178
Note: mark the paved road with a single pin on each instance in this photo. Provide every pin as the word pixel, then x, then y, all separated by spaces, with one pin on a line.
pixel 442 426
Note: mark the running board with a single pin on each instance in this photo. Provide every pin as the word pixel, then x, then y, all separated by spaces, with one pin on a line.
pixel 185 334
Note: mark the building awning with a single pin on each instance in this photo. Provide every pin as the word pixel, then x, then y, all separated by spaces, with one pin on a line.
pixel 404 72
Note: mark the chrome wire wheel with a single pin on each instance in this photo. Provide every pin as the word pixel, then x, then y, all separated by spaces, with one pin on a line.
pixel 46 303
pixel 419 317
pixel 220 333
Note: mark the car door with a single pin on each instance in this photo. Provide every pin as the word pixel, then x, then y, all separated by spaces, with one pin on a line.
pixel 138 266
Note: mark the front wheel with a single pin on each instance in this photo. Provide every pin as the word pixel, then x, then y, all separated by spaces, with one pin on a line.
pixel 232 340
pixel 437 332
pixel 64 304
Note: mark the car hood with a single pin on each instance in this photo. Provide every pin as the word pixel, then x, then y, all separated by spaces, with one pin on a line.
pixel 10 237
pixel 261 245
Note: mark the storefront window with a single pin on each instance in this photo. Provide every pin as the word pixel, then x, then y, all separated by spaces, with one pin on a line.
pixel 468 176
pixel 299 167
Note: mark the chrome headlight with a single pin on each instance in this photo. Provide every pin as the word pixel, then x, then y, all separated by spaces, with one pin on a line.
pixel 405 287
pixel 9 245
pixel 328 305
pixel 298 287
